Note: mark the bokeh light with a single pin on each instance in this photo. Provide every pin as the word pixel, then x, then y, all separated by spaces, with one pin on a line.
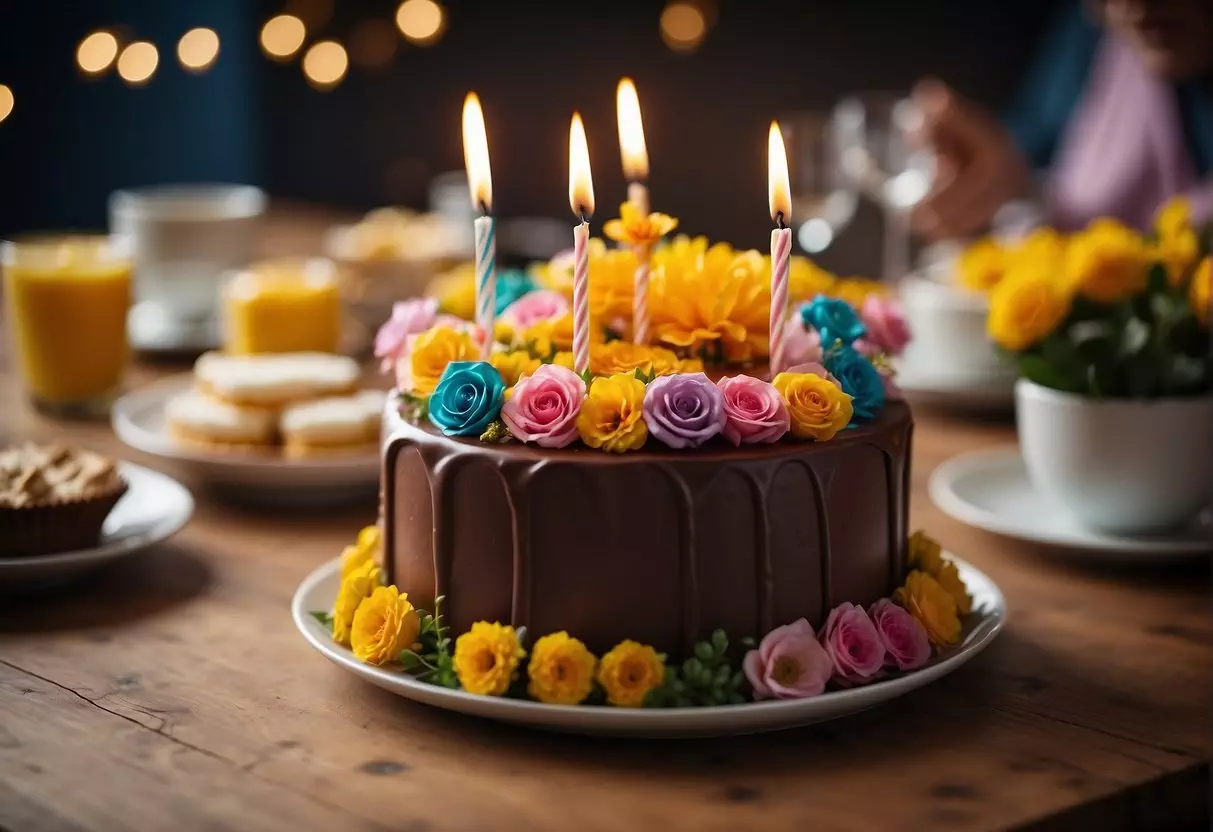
pixel 138 62
pixel 282 36
pixel 325 64
pixel 421 21
pixel 373 43
pixel 198 49
pixel 6 102
pixel 683 26
pixel 96 52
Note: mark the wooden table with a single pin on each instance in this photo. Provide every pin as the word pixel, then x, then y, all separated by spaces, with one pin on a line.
pixel 172 692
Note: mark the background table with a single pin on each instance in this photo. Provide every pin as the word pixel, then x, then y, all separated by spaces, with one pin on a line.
pixel 172 692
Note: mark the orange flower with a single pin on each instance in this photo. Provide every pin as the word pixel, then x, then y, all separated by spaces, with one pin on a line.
pixel 637 229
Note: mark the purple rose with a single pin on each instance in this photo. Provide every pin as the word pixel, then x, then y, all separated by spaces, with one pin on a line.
pixel 684 410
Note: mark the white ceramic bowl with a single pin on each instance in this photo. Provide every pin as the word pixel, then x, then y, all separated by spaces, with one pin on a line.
pixel 1119 466
pixel 949 327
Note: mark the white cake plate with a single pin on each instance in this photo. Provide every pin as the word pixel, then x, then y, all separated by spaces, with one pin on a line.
pixel 319 589
pixel 990 489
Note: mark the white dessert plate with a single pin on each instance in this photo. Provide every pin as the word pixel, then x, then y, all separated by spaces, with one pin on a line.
pixel 153 509
pixel 265 478
pixel 319 589
pixel 990 489
pixel 963 391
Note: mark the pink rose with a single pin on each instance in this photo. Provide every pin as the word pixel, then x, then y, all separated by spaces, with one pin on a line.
pixel 535 307
pixel 854 646
pixel 904 639
pixel 409 317
pixel 886 325
pixel 788 664
pixel 800 345
pixel 754 411
pixel 544 405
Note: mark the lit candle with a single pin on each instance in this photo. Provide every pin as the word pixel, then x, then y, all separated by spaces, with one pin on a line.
pixel 636 170
pixel 581 200
pixel 480 182
pixel 778 195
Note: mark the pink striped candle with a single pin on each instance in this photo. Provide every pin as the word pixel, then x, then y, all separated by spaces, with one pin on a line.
pixel 640 297
pixel 581 200
pixel 780 203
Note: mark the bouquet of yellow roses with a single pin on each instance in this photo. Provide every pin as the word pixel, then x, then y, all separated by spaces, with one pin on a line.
pixel 1105 312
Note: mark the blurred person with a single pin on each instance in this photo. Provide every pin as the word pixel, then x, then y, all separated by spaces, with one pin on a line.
pixel 1115 117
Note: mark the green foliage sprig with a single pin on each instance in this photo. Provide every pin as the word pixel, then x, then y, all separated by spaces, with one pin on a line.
pixel 706 678
pixel 432 663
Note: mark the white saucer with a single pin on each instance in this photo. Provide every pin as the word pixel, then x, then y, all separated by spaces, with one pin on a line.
pixel 968 392
pixel 153 509
pixel 266 478
pixel 318 590
pixel 990 490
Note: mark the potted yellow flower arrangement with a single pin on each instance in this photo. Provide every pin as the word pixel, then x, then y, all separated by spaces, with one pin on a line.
pixel 1109 329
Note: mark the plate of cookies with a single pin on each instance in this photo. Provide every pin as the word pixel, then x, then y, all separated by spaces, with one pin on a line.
pixel 286 428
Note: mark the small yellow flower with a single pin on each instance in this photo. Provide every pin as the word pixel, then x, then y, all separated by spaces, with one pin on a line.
pixel 355 588
pixel 629 672
pixel 981 265
pixel 432 351
pixel 611 417
pixel 513 365
pixel 637 229
pixel 547 337
pixel 1106 262
pixel 818 408
pixel 367 549
pixel 948 577
pixel 806 280
pixel 855 290
pixel 384 625
pixel 1024 309
pixel 456 291
pixel 924 553
pixel 932 605
pixel 564 358
pixel 1200 295
pixel 561 670
pixel 690 365
pixel 486 658
pixel 613 357
pixel 612 282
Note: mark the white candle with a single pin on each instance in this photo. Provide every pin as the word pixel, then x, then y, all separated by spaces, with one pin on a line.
pixel 581 200
pixel 480 183
pixel 780 203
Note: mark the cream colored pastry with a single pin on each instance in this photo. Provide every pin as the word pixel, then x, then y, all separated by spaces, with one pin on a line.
pixel 275 380
pixel 336 423
pixel 196 418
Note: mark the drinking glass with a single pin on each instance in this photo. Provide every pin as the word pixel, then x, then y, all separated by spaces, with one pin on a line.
pixel 823 199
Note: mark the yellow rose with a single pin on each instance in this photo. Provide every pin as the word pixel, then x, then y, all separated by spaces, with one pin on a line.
pixel 432 351
pixel 1178 246
pixel 367 549
pixel 455 291
pixel 514 365
pixel 948 577
pixel 384 625
pixel 1107 262
pixel 355 588
pixel 1024 309
pixel 629 672
pixel 561 670
pixel 924 553
pixel 635 228
pixel 932 605
pixel 980 266
pixel 1174 217
pixel 611 417
pixel 1042 251
pixel 1199 294
pixel 486 658
pixel 818 408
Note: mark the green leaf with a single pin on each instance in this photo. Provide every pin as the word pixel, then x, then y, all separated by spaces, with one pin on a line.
pixel 323 617
pixel 704 652
pixel 1036 368
pixel 1156 280
pixel 1134 337
pixel 720 642
pixel 587 377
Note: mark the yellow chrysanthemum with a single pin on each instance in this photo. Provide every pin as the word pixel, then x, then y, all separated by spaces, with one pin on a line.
pixel 806 280
pixel 933 606
pixel 557 273
pixel 367 549
pixel 612 283
pixel 629 672
pixel 1025 308
pixel 611 417
pixel 1107 262
pixel 614 357
pixel 384 625
pixel 691 365
pixel 948 577
pixel 1200 295
pixel 355 588
pixel 547 337
pixel 980 266
pixel 818 408
pixel 432 351
pixel 855 290
pixel 513 365
pixel 924 553
pixel 486 658
pixel 565 358
pixel 561 670
pixel 456 291
pixel 637 229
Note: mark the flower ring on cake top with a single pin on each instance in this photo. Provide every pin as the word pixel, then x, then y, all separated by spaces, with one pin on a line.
pixel 629 672
pixel 933 606
pixel 384 625
pixel 754 411
pixel 834 320
pixel 684 411
pixel 513 365
pixel 612 414
pixel 817 408
pixel 853 644
pixel 905 641
pixel 409 317
pixel 886 326
pixel 428 355
pixel 801 345
pixel 1025 308
pixel 859 379
pixel 467 399
pixel 788 664
pixel 533 308
pixel 561 670
pixel 638 229
pixel 544 405
pixel 486 658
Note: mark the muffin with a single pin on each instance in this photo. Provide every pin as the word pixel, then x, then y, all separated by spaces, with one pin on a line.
pixel 54 498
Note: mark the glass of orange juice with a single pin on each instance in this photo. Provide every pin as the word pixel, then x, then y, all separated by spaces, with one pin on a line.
pixel 288 304
pixel 66 299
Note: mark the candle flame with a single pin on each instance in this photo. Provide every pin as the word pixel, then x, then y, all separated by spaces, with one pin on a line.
pixel 581 185
pixel 631 132
pixel 476 154
pixel 778 192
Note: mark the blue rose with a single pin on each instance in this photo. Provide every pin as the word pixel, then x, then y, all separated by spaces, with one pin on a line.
pixel 511 285
pixel 467 399
pixel 834 320
pixel 859 379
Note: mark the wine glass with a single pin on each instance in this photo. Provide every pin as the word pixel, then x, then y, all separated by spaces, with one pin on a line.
pixel 822 197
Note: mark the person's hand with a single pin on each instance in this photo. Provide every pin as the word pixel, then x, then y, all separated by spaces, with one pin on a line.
pixel 978 166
